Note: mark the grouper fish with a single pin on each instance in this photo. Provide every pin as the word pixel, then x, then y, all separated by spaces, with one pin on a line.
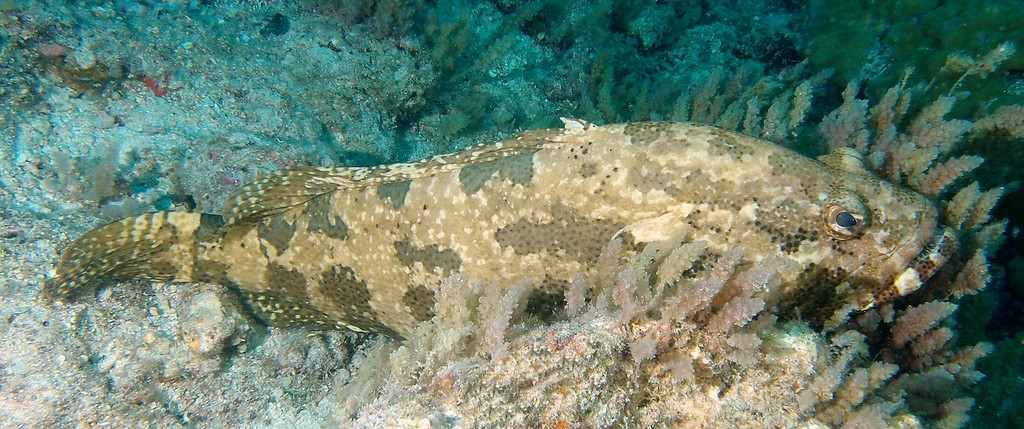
pixel 368 248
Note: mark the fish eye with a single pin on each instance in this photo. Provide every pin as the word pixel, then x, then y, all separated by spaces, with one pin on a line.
pixel 845 217
pixel 845 220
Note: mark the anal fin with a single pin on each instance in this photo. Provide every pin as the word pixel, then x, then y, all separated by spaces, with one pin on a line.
pixel 276 309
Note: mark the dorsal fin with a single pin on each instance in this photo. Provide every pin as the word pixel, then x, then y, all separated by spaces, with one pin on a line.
pixel 845 159
pixel 280 191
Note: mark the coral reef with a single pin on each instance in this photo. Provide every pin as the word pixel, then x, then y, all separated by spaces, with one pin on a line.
pixel 702 355
pixel 115 107
pixel 177 356
pixel 955 49
pixel 939 40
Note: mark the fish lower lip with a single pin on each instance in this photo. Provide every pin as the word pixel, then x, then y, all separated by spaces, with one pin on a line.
pixel 932 257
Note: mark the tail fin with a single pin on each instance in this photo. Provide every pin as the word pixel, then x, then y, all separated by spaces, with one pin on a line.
pixel 157 246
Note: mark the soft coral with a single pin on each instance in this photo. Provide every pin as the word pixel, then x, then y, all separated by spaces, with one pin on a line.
pixel 158 89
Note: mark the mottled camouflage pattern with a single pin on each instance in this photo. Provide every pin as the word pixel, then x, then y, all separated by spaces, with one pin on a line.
pixel 366 248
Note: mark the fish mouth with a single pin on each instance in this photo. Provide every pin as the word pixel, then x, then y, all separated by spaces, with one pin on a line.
pixel 942 246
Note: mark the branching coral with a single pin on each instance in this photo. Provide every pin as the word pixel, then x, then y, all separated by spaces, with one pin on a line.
pixel 665 339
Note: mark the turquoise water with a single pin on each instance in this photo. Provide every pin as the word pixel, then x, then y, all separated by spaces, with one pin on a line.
pixel 111 109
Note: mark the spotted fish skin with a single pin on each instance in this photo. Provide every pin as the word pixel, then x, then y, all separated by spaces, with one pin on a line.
pixel 367 248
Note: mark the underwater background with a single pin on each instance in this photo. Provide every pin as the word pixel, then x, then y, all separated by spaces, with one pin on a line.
pixel 113 108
